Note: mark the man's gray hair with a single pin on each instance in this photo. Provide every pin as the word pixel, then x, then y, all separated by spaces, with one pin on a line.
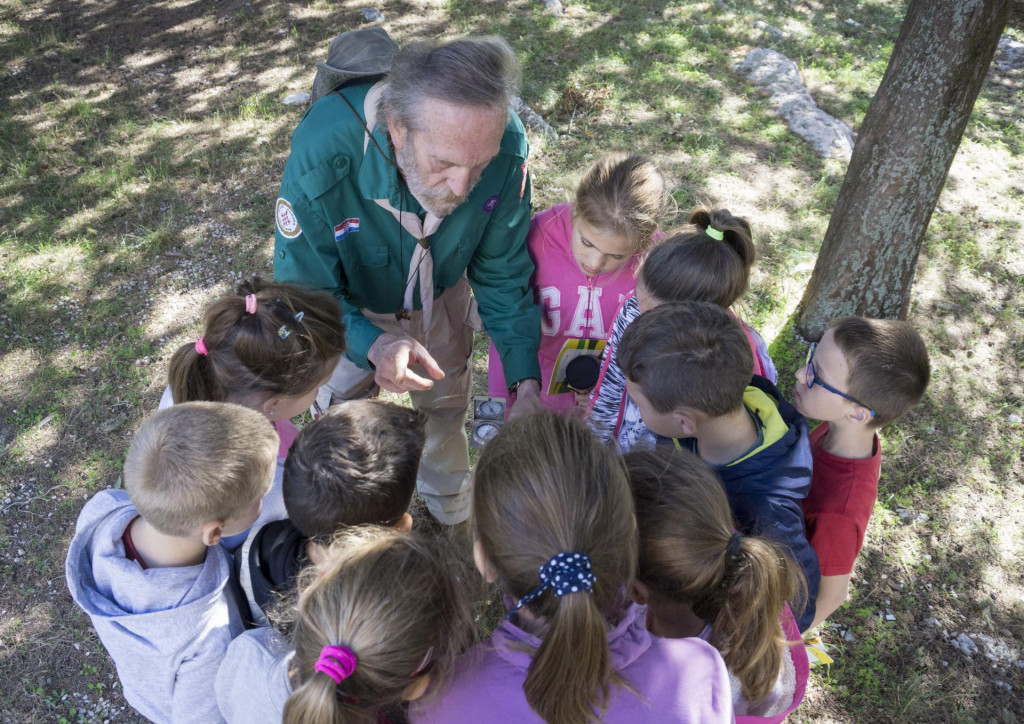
pixel 478 72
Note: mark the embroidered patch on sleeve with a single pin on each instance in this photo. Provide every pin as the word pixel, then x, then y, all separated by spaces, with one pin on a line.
pixel 524 169
pixel 345 228
pixel 285 219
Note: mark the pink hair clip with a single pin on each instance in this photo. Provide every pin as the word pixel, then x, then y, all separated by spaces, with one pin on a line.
pixel 338 662
pixel 201 347
pixel 250 304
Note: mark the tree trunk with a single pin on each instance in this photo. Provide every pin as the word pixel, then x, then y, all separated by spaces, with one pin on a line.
pixel 900 161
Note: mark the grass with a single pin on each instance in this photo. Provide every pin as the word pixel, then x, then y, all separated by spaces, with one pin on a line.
pixel 120 220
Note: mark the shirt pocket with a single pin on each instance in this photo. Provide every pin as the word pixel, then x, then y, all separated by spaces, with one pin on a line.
pixel 372 256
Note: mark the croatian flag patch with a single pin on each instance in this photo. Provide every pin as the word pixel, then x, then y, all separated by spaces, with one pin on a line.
pixel 345 228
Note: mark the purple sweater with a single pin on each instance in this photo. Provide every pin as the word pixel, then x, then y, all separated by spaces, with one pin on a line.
pixel 678 680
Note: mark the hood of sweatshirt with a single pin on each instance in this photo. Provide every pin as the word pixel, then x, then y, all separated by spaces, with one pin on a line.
pixel 114 588
pixel 148 620
pixel 627 641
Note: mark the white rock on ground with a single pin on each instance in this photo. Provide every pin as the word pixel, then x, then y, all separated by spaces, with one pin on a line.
pixel 965 645
pixel 995 650
pixel 533 120
pixel 779 76
pixel 372 15
pixel 768 29
pixel 1009 54
pixel 553 6
pixel 297 99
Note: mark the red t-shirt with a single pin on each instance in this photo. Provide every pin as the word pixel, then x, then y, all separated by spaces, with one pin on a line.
pixel 837 510
pixel 129 545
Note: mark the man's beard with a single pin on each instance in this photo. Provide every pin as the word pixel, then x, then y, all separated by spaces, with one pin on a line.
pixel 438 200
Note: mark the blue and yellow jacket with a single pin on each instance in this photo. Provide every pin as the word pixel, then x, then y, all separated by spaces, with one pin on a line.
pixel 766 486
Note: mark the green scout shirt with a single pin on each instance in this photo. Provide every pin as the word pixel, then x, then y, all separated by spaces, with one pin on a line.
pixel 332 236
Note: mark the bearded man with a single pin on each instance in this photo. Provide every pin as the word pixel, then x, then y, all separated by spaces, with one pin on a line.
pixel 399 196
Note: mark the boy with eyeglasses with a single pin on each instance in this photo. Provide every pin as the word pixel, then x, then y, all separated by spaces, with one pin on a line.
pixel 862 375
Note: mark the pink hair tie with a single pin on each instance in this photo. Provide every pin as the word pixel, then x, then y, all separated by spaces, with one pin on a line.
pixel 201 347
pixel 250 303
pixel 338 662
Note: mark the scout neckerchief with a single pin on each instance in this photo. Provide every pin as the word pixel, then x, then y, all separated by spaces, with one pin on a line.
pixel 421 265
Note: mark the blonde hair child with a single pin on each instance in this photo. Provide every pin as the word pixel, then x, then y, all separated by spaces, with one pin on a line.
pixel 707 260
pixel 586 255
pixel 378 622
pixel 555 529
pixel 145 563
pixel 699 577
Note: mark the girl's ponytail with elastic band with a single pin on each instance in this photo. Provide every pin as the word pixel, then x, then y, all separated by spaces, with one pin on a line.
pixel 733 548
pixel 564 573
pixel 552 503
pixel 714 233
pixel 758 579
pixel 394 598
pixel 739 584
pixel 338 662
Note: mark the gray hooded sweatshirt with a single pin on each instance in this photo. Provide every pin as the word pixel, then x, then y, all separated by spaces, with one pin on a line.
pixel 166 629
pixel 252 684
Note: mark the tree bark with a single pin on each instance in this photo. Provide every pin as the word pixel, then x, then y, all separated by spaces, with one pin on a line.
pixel 903 153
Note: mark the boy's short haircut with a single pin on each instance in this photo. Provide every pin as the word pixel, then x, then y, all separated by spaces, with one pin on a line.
pixel 888 361
pixel 197 462
pixel 688 354
pixel 356 464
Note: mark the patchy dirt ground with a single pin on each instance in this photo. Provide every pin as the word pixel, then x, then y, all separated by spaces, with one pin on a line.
pixel 142 146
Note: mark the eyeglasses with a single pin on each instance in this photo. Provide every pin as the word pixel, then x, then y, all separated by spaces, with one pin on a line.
pixel 812 379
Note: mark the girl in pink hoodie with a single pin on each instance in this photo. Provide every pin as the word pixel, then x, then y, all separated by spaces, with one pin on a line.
pixel 586 255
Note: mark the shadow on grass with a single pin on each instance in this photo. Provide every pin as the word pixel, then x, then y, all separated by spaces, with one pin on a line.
pixel 104 198
pixel 948 511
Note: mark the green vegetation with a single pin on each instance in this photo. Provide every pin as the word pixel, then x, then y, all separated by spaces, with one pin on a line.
pixel 141 146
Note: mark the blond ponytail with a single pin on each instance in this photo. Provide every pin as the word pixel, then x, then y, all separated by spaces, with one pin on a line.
pixel 576 641
pixel 390 599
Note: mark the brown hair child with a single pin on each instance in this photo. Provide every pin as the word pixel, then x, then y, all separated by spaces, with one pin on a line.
pixel 354 465
pixel 862 375
pixel 707 260
pixel 699 577
pixel 555 529
pixel 687 368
